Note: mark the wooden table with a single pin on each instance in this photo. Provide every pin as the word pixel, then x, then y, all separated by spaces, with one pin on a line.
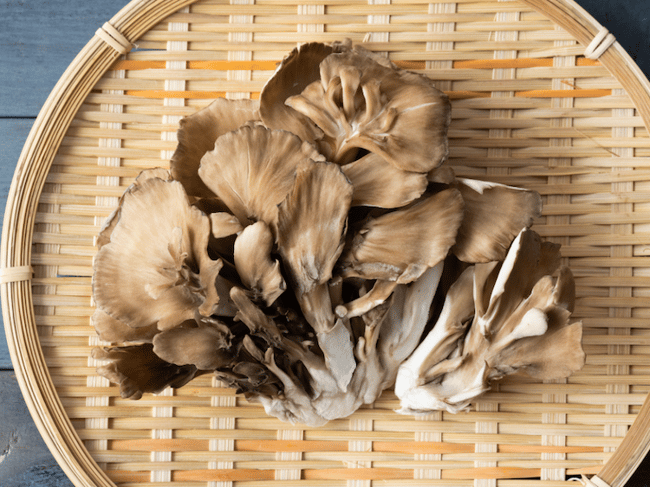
pixel 38 40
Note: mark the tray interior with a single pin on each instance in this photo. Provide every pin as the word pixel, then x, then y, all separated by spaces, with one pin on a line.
pixel 529 109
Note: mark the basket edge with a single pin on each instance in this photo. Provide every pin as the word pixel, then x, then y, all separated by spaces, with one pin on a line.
pixel 35 160
pixel 585 28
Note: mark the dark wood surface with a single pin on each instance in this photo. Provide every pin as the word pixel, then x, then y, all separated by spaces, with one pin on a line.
pixel 38 40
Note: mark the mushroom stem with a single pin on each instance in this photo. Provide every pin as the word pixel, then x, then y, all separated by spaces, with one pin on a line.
pixel 373 298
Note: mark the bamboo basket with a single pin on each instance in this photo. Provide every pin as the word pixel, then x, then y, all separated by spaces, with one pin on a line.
pixel 542 98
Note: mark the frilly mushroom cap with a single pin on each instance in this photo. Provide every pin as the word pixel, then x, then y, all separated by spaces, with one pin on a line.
pixel 253 168
pixel 494 215
pixel 361 103
pixel 104 235
pixel 114 331
pixel 258 271
pixel 401 245
pixel 224 224
pixel 197 134
pixel 295 72
pixel 138 370
pixel 205 347
pixel 378 183
pixel 156 269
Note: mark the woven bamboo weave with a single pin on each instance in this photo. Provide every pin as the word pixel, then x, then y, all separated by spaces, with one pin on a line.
pixel 542 98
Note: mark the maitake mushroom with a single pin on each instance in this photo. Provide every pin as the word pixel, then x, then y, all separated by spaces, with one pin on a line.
pixel 498 318
pixel 311 251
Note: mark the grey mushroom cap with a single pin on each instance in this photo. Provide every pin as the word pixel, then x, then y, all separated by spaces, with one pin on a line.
pixel 402 244
pixel 206 347
pixel 494 215
pixel 296 71
pixel 252 170
pixel 363 101
pixel 258 270
pixel 198 133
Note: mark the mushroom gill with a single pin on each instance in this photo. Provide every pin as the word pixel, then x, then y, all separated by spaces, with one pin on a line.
pixel 362 101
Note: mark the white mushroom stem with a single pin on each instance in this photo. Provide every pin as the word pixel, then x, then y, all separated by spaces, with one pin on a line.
pixel 406 319
pixel 379 293
pixel 450 326
pixel 333 336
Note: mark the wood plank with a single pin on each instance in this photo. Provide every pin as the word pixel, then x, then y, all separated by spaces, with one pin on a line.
pixel 38 41
pixel 13 133
pixel 24 457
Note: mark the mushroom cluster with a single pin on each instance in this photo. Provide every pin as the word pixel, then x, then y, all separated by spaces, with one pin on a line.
pixel 311 250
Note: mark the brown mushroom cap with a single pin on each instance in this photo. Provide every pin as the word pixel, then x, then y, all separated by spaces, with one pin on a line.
pixel 205 347
pixel 378 183
pixel 494 215
pixel 104 235
pixel 114 331
pixel 138 370
pixel 197 134
pixel 402 244
pixel 253 168
pixel 155 269
pixel 297 70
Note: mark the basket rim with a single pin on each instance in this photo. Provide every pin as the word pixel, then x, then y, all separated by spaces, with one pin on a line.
pixel 36 158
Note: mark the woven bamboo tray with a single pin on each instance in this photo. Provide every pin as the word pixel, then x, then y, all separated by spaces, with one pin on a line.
pixel 542 98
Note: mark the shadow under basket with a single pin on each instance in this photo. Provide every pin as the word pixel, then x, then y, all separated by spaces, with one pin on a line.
pixel 543 98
